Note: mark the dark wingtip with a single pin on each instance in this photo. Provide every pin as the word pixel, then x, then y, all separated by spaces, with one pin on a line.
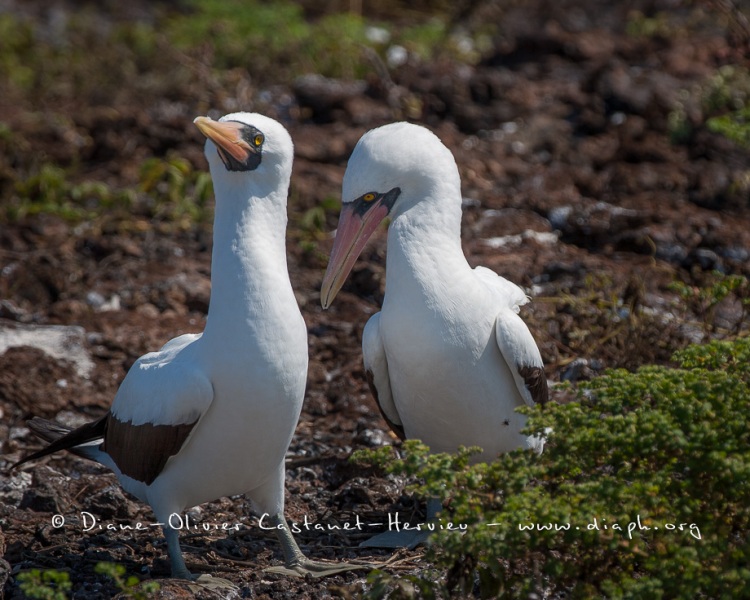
pixel 395 427
pixel 536 383
pixel 49 431
pixel 25 459
pixel 60 437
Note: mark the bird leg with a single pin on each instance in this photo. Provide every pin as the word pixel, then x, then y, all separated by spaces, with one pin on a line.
pixel 176 561
pixel 434 506
pixel 180 570
pixel 296 563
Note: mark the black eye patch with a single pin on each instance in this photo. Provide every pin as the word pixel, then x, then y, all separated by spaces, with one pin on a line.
pixel 255 139
pixel 364 202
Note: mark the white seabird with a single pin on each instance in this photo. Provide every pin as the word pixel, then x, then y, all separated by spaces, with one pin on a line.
pixel 212 414
pixel 448 358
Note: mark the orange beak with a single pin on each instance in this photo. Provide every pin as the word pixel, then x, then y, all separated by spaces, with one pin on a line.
pixel 356 224
pixel 227 135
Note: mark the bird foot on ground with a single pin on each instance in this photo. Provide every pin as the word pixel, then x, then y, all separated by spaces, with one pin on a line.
pixel 209 582
pixel 315 569
pixel 396 539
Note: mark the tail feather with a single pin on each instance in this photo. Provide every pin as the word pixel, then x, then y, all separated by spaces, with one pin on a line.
pixel 65 438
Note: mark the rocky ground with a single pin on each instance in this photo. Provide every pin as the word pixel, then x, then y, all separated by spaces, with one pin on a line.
pixel 573 189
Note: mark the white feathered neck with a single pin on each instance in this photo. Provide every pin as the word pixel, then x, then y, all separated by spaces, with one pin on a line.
pixel 249 253
pixel 424 237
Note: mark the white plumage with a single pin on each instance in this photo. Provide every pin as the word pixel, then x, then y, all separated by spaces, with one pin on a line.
pixel 212 414
pixel 448 356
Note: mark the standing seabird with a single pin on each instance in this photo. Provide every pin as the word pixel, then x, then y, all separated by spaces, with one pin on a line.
pixel 448 358
pixel 212 414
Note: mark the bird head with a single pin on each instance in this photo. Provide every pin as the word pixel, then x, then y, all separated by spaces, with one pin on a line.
pixel 242 143
pixel 392 170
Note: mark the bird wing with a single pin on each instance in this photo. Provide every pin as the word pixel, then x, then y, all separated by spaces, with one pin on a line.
pixel 81 441
pixel 514 339
pixel 158 405
pixel 376 370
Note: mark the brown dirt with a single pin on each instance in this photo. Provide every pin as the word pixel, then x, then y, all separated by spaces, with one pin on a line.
pixel 562 131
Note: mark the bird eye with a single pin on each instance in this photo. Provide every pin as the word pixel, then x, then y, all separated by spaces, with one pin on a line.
pixel 369 197
pixel 258 140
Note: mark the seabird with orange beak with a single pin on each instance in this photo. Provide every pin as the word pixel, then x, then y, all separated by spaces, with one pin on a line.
pixel 448 358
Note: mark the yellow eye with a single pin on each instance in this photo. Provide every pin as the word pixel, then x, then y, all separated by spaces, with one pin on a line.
pixel 369 197
pixel 258 140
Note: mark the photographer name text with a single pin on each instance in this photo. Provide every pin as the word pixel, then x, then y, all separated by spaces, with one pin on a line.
pixel 88 522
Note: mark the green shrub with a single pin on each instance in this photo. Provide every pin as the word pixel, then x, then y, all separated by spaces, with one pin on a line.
pixel 728 94
pixel 55 585
pixel 49 191
pixel 240 33
pixel 642 491
pixel 44 585
pixel 273 41
pixel 179 193
pixel 170 190
pixel 277 41
pixel 721 102
pixel 18 41
pixel 734 126
pixel 639 25
pixel 130 587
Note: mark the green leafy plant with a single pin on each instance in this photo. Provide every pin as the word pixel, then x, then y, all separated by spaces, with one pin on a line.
pixel 641 492
pixel 130 587
pixel 44 585
pixel 170 190
pixel 18 39
pixel 722 102
pixel 276 38
pixel 407 587
pixel 240 32
pixel 55 585
pixel 49 191
pixel 281 42
pixel 179 193
pixel 311 224
pixel 642 26
pixel 734 125
pixel 74 60
pixel 728 93
pixel 48 66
